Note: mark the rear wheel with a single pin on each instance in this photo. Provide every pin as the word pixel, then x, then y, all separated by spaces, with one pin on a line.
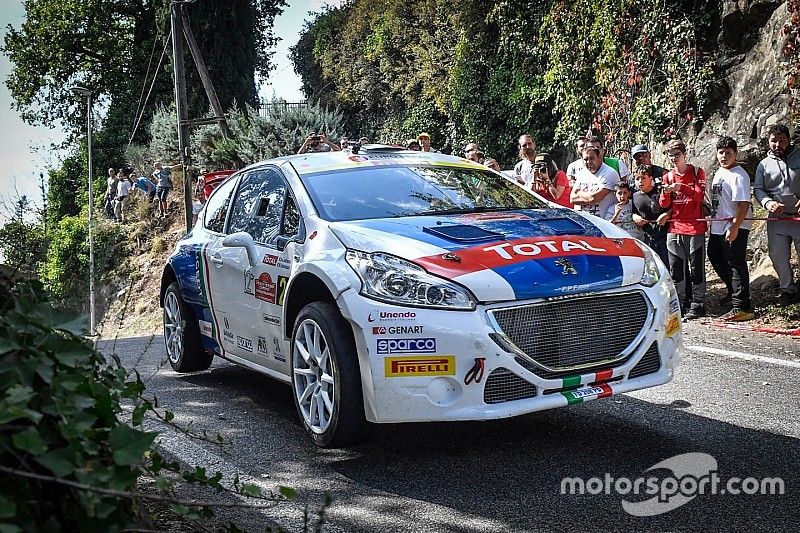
pixel 182 334
pixel 325 377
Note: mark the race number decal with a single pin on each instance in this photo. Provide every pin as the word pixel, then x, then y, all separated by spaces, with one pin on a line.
pixel 283 281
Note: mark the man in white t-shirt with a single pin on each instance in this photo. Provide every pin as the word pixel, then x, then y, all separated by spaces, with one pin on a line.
pixel 123 190
pixel 727 244
pixel 527 155
pixel 594 184
pixel 575 166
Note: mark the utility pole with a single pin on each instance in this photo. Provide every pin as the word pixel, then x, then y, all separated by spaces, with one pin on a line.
pixel 204 76
pixel 82 91
pixel 182 106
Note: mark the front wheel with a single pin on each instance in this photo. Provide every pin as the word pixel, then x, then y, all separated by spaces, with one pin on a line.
pixel 182 334
pixel 325 377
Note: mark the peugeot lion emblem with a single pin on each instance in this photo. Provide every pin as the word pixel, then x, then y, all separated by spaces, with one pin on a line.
pixel 567 265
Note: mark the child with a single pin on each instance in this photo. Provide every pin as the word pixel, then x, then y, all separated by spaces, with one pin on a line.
pixel 647 214
pixel 197 204
pixel 621 213
pixel 727 244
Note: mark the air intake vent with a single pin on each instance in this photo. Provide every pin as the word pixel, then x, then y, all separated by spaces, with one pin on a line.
pixel 502 385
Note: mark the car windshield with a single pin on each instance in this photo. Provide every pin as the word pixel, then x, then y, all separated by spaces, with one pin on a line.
pixel 401 191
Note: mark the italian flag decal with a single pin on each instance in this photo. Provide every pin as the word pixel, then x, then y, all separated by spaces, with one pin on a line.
pixel 603 390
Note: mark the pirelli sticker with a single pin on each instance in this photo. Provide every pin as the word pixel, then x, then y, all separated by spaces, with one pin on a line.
pixel 420 365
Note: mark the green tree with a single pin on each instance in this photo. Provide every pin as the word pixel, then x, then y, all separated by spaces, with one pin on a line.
pixel 488 71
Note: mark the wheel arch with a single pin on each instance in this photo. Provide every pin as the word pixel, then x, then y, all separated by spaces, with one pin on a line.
pixel 304 289
pixel 167 278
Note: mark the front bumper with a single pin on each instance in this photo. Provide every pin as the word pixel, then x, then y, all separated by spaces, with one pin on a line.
pixel 414 361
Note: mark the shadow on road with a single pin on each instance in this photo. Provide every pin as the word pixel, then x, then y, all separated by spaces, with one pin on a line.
pixel 498 475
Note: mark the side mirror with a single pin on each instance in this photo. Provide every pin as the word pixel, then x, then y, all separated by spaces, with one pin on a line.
pixel 242 239
pixel 281 241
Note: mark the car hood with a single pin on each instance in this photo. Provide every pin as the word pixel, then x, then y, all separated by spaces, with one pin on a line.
pixel 507 255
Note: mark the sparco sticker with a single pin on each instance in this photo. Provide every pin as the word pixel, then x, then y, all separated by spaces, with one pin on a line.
pixel 387 346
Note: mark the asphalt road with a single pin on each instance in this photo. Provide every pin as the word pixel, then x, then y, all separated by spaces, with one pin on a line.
pixel 506 475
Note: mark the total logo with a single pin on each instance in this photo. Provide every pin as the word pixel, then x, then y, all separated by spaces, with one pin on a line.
pixel 545 248
pixel 388 346
pixel 391 316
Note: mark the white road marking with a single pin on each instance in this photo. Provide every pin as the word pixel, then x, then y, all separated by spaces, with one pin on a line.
pixel 745 356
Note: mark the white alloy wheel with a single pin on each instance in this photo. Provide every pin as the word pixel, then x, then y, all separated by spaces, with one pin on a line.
pixel 314 383
pixel 173 327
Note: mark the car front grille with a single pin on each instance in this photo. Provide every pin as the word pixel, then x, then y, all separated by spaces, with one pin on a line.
pixel 577 333
pixel 649 364
pixel 502 385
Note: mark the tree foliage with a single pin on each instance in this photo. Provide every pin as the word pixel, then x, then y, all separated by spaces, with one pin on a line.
pixel 105 45
pixel 488 71
pixel 280 131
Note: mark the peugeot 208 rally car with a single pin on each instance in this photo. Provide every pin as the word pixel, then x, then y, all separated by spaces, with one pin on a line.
pixel 394 286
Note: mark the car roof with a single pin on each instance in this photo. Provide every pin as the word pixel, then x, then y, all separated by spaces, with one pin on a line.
pixel 370 155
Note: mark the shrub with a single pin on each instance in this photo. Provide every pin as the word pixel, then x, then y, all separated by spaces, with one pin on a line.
pixel 58 420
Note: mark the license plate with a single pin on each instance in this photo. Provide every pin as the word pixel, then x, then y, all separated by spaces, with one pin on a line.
pixel 583 393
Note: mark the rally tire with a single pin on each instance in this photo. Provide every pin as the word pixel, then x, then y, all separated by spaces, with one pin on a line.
pixel 326 381
pixel 185 352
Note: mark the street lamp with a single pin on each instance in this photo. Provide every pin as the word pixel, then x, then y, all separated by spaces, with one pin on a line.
pixel 87 93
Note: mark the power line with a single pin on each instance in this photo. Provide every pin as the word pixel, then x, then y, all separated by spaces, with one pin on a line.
pixel 150 91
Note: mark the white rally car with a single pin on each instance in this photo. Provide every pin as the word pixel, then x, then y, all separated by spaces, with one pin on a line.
pixel 395 286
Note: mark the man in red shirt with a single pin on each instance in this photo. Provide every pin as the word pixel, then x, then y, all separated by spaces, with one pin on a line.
pixel 683 191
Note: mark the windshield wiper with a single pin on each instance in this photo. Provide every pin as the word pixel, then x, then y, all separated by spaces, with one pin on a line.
pixel 465 210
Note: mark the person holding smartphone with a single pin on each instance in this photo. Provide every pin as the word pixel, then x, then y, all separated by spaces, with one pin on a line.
pixel 318 142
pixel 549 182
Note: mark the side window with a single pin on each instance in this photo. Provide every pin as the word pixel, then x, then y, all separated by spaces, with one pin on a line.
pixel 291 219
pixel 217 207
pixel 259 205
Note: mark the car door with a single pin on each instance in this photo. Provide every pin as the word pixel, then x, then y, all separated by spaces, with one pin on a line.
pixel 213 272
pixel 265 209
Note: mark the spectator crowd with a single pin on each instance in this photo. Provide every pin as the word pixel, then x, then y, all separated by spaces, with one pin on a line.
pixel 681 213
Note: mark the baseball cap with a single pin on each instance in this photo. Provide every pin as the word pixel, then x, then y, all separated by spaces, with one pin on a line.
pixel 639 149
pixel 543 158
pixel 423 134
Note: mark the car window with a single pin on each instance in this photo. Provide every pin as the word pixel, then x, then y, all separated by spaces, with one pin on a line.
pixel 399 191
pixel 217 207
pixel 259 203
pixel 291 219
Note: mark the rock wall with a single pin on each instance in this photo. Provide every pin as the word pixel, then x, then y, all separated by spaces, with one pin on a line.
pixel 754 89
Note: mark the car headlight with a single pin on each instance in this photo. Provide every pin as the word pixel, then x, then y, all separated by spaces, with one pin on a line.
pixel 651 274
pixel 396 281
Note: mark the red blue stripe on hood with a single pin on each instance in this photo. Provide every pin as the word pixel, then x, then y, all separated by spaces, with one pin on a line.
pixel 506 255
